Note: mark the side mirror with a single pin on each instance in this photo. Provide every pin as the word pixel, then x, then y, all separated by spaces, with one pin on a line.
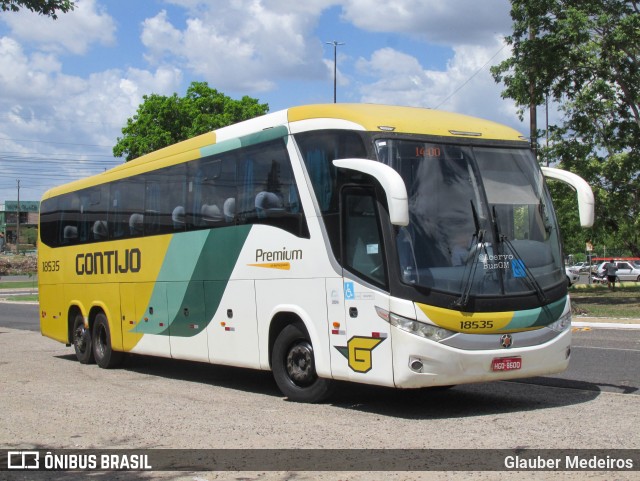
pixel 391 182
pixel 586 201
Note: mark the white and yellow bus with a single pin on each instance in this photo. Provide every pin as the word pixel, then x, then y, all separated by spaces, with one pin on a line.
pixel 385 245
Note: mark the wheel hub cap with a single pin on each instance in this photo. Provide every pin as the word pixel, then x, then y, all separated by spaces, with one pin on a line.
pixel 300 364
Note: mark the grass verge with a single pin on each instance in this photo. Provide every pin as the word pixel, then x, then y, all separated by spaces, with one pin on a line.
pixel 19 285
pixel 599 301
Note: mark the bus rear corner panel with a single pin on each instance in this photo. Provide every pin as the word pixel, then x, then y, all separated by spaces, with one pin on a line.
pixel 53 313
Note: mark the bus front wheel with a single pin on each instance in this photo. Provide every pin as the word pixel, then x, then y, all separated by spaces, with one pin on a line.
pixel 82 342
pixel 104 355
pixel 293 366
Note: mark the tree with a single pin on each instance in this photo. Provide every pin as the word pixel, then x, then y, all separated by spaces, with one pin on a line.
pixel 585 56
pixel 43 7
pixel 161 121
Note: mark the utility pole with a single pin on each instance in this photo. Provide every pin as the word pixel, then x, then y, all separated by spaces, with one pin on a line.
pixel 335 44
pixel 533 123
pixel 18 221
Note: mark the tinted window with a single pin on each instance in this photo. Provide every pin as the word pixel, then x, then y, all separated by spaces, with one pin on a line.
pixel 250 185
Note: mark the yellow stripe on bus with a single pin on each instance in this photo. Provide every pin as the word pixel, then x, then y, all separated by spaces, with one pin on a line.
pixel 472 322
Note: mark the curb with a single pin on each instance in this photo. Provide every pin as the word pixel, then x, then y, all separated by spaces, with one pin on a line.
pixel 605 325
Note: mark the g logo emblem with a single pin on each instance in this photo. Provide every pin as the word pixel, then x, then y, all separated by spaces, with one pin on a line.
pixel 358 352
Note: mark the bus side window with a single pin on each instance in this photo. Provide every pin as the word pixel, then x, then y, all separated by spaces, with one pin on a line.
pixel 207 193
pixel 151 218
pixel 267 189
pixel 115 213
pixel 69 219
pixel 95 213
pixel 165 200
pixel 49 221
pixel 126 218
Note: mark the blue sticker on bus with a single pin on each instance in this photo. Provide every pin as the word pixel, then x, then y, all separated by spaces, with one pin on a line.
pixel 518 268
pixel 348 290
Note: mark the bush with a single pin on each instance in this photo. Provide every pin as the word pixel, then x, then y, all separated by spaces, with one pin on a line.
pixel 12 265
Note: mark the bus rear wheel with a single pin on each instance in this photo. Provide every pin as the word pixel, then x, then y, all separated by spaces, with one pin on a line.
pixel 82 342
pixel 293 366
pixel 104 355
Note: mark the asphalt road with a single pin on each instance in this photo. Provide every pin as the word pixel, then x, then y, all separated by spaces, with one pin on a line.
pixel 604 360
pixel 50 401
pixel 20 316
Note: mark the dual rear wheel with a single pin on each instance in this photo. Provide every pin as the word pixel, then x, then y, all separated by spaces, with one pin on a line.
pixel 94 345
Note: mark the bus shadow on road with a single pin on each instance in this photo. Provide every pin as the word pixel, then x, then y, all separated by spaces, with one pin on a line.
pixel 428 403
pixel 241 379
pixel 465 400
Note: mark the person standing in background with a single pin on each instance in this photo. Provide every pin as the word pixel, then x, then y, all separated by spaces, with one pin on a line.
pixel 611 270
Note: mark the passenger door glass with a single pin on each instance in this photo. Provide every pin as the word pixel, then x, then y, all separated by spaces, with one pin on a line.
pixel 363 251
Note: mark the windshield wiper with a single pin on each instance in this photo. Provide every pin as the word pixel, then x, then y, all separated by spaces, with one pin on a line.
pixel 471 267
pixel 530 279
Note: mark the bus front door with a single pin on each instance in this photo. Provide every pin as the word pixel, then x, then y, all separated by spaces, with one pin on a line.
pixel 368 346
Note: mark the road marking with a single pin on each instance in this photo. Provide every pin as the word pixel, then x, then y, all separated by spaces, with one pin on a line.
pixel 605 348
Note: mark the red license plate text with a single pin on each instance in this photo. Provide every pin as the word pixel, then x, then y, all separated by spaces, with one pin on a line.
pixel 506 364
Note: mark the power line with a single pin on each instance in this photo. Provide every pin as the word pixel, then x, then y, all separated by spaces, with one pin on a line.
pixel 471 77
pixel 51 154
pixel 56 143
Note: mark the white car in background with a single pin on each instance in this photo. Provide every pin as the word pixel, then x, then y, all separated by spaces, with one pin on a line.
pixel 626 271
pixel 581 267
pixel 573 275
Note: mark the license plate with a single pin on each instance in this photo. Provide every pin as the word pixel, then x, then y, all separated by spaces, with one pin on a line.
pixel 506 364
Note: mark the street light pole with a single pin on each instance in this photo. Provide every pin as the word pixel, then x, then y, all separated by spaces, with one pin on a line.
pixel 18 221
pixel 335 44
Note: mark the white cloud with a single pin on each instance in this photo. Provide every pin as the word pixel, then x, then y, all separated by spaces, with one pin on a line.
pixel 446 22
pixel 465 85
pixel 72 32
pixel 36 84
pixel 243 45
pixel 22 77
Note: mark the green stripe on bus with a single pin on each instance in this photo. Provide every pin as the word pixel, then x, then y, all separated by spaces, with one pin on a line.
pixel 245 141
pixel 193 279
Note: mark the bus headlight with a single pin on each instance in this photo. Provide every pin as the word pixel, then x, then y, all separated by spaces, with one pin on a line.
pixel 428 331
pixel 562 324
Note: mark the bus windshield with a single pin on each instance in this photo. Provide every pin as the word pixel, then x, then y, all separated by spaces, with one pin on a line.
pixel 481 222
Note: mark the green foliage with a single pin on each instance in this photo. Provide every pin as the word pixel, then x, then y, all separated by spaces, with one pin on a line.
pixel 585 55
pixel 162 121
pixel 43 7
pixel 29 235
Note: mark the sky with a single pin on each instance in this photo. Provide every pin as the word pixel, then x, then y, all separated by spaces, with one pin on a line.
pixel 68 86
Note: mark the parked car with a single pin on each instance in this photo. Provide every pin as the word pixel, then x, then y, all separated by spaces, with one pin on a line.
pixel 581 267
pixel 573 275
pixel 626 271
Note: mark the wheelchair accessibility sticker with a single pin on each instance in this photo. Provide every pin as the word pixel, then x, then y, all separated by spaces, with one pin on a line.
pixel 348 291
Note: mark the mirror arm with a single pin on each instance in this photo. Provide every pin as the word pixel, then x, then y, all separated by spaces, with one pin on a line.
pixel 586 201
pixel 391 182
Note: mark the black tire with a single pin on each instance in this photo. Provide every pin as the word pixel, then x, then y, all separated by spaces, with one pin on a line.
pixel 104 355
pixel 293 366
pixel 82 342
